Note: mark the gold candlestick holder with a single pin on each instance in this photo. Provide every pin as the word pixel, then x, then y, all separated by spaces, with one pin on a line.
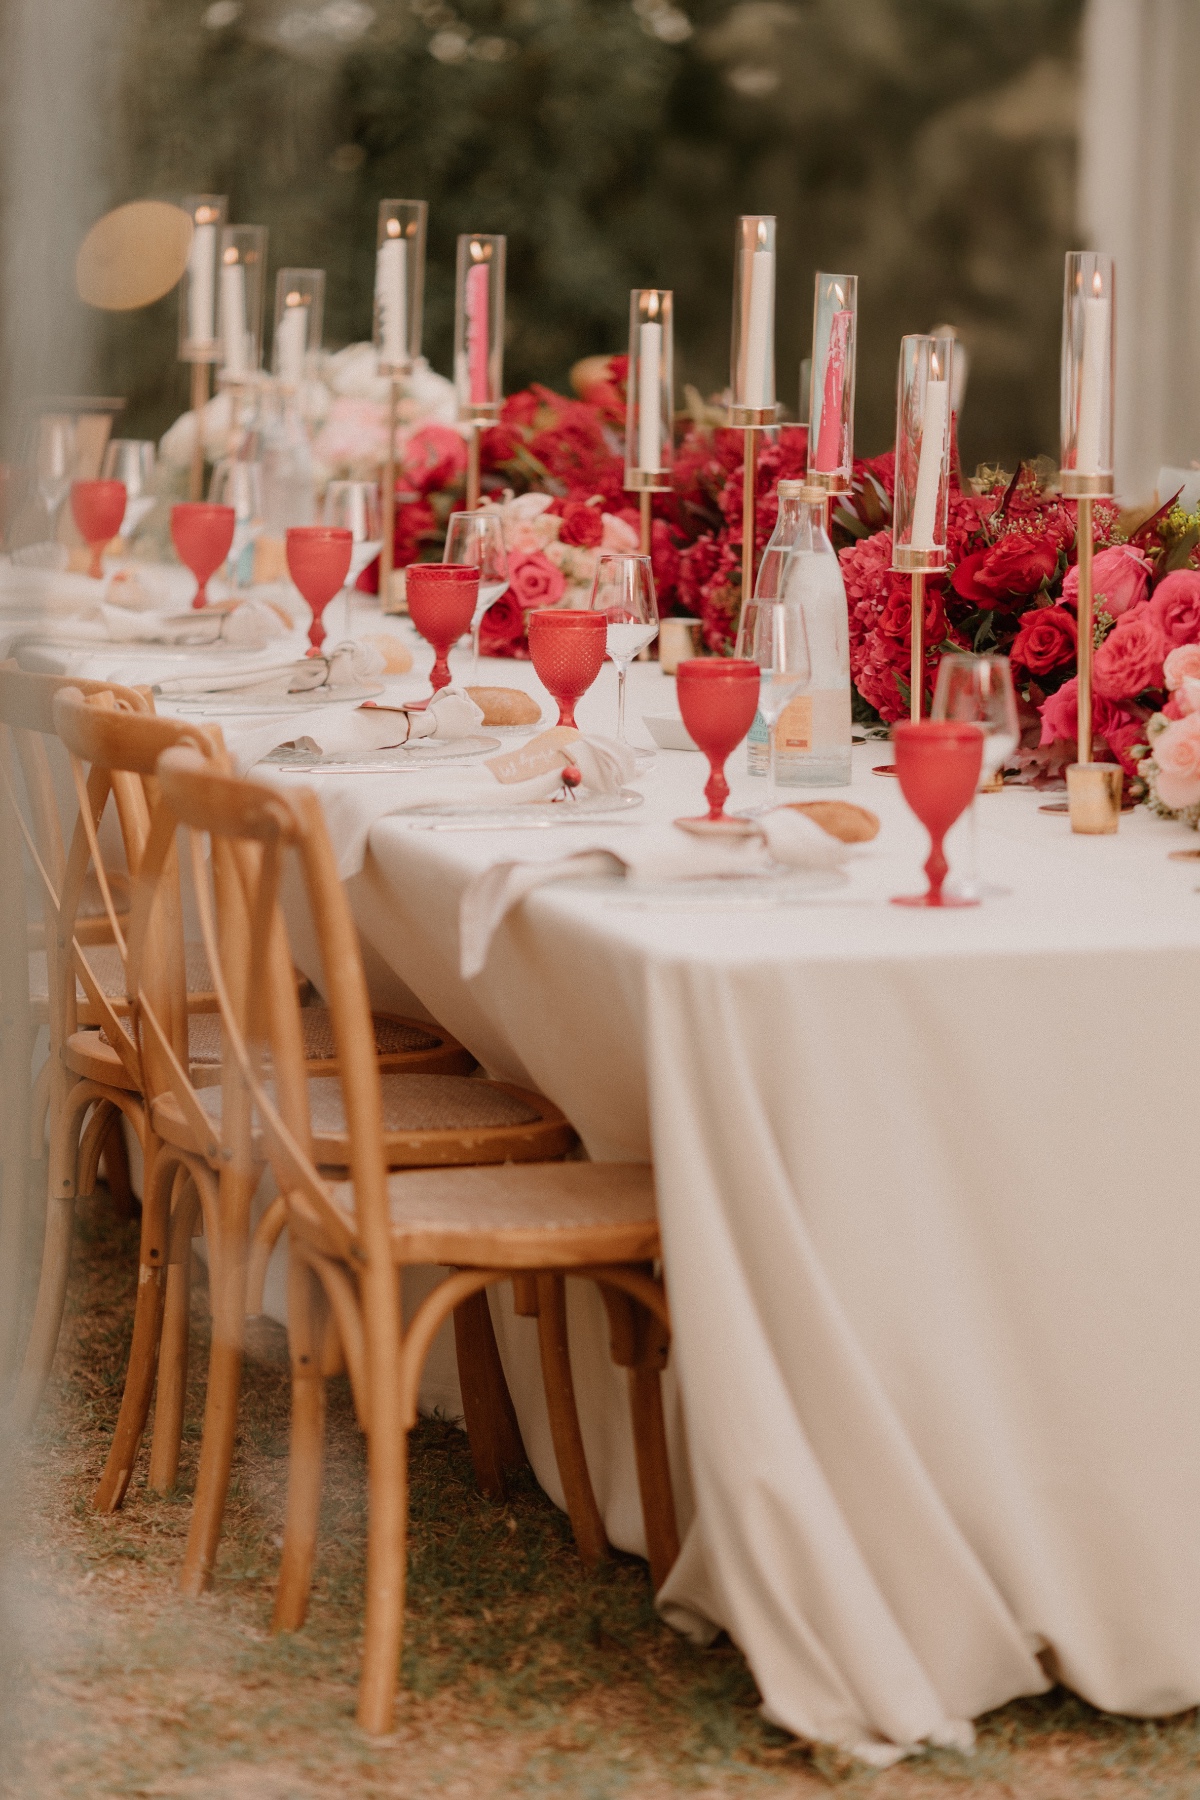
pixel 387 549
pixel 200 397
pixel 644 535
pixel 1093 788
pixel 473 478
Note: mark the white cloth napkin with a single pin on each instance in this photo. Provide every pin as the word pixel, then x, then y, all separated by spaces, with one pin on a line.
pixel 784 837
pixel 347 666
pixel 359 731
pixel 252 625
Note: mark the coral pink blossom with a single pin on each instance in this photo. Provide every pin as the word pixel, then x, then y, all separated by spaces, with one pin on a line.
pixel 1130 658
pixel 1182 662
pixel 1120 726
pixel 618 534
pixel 1120 579
pixel 534 579
pixel 1177 753
pixel 1175 606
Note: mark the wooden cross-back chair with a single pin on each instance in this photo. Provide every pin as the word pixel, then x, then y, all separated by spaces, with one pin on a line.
pixel 352 1230
pixel 34 871
pixel 168 1065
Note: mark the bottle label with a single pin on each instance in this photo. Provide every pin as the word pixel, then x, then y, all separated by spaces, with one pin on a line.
pixel 819 720
pixel 794 732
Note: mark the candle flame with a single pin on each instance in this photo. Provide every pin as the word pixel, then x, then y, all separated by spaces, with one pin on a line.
pixel 480 252
pixel 295 299
pixel 935 367
pixel 393 228
pixel 206 215
pixel 840 297
pixel 230 254
pixel 1097 285
pixel 762 233
pixel 652 305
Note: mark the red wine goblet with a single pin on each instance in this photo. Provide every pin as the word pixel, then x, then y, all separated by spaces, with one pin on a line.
pixel 938 763
pixel 99 509
pixel 318 560
pixel 202 534
pixel 718 698
pixel 566 648
pixel 441 604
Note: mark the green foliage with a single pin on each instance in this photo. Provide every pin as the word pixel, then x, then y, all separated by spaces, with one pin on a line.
pixel 926 144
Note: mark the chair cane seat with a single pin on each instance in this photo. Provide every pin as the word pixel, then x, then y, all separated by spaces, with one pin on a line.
pixel 521 1216
pixel 400 1044
pixel 104 960
pixel 427 1120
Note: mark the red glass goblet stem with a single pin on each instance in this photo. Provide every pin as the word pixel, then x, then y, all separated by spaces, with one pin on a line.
pixel 98 508
pixel 566 647
pixel 441 604
pixel 718 698
pixel 318 560
pixel 202 535
pixel 938 763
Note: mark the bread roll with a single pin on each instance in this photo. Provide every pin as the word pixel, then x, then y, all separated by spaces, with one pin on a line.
pixel 506 706
pixel 397 657
pixel 851 824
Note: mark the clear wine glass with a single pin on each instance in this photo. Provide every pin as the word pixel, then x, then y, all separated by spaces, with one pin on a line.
pixel 477 539
pixel 238 483
pixel 623 590
pixel 779 645
pixel 131 460
pixel 978 690
pixel 54 455
pixel 354 505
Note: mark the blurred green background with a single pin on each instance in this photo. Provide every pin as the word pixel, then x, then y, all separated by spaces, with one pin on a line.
pixel 928 145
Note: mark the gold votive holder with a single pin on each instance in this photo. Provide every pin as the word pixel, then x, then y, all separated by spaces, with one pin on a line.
pixel 1094 797
pixel 678 641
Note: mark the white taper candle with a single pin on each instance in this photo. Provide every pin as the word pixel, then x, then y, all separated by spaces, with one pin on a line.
pixel 929 469
pixel 649 380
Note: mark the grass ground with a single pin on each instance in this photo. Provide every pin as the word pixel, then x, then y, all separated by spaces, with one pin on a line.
pixel 524 1674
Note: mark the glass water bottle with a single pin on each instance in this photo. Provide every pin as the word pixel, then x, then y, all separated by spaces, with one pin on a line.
pixel 813 736
pixel 769 586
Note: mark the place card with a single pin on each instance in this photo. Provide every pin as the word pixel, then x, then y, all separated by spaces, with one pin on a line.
pixel 542 755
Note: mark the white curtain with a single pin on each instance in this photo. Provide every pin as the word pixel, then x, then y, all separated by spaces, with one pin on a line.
pixel 1139 197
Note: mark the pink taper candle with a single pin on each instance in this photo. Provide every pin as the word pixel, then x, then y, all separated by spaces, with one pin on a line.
pixel 477 333
pixel 829 442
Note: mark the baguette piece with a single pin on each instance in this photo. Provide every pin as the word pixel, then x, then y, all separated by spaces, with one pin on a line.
pixel 851 824
pixel 506 706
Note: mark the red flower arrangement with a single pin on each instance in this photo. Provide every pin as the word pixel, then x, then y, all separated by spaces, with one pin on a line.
pixel 1011 585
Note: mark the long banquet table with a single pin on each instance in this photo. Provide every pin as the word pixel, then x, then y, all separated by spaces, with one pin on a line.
pixel 926 1187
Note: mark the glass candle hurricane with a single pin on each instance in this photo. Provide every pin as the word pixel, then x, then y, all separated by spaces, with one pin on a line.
pixel 1088 354
pixel 752 345
pixel 479 326
pixel 240 300
pixel 200 282
pixel 831 375
pixel 650 391
pixel 299 309
pixel 922 454
pixel 399 283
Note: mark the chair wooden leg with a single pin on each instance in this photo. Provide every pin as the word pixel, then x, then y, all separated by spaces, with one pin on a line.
pixel 164 1182
pixel 654 1471
pixel 387 1572
pixel 306 1451
pixel 171 1387
pixel 227 1289
pixel 116 1170
pixel 491 1420
pixel 590 1536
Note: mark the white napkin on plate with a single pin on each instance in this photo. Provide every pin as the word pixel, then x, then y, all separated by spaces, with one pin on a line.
pixel 783 837
pixel 359 731
pixel 347 666
pixel 250 625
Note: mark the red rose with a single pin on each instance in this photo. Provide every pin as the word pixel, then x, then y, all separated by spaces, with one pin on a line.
pixel 1017 564
pixel 415 524
pixel 665 561
pixel 534 580
pixel 895 621
pixel 1046 640
pixel 1175 607
pixel 498 444
pixel 434 457
pixel 1130 658
pixel 581 524
pixel 502 629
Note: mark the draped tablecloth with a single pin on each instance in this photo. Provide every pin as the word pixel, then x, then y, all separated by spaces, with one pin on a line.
pixel 928 1204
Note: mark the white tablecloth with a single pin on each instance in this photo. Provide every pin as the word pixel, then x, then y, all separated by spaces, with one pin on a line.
pixel 927 1199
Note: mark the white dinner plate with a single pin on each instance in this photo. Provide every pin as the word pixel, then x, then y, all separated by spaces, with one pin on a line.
pixel 268 705
pixel 484 815
pixel 403 759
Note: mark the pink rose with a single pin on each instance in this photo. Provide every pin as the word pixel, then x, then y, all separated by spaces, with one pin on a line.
pixel 434 456
pixel 535 581
pixel 1120 578
pixel 1120 726
pixel 1177 753
pixel 1175 606
pixel 1182 663
pixel 1130 658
